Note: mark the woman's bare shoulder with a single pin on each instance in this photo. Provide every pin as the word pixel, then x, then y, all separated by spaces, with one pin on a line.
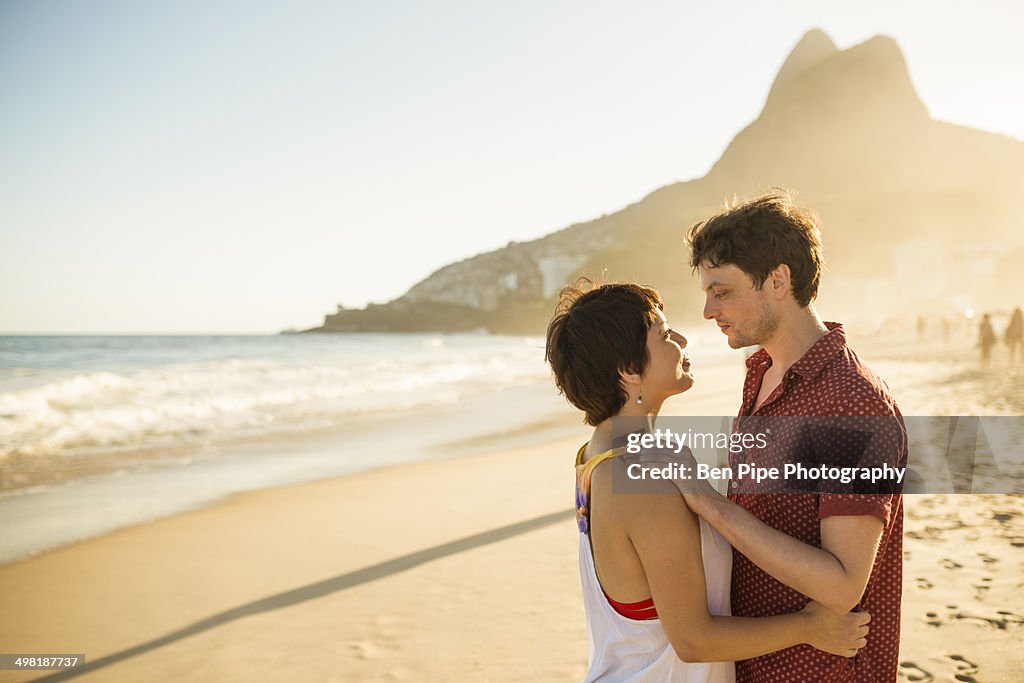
pixel 611 482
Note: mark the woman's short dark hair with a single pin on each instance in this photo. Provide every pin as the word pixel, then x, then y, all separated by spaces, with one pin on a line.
pixel 597 331
pixel 759 235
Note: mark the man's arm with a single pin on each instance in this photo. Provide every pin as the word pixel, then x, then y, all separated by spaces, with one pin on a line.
pixel 666 537
pixel 834 575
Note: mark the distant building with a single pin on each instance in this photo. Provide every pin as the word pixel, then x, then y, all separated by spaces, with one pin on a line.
pixel 555 270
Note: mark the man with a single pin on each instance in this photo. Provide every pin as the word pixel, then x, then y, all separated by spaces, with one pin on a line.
pixel 760 265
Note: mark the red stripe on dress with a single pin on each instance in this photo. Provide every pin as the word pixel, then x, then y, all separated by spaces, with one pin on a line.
pixel 641 611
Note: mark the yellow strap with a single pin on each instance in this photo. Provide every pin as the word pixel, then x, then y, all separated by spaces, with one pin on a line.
pixel 583 472
pixel 587 468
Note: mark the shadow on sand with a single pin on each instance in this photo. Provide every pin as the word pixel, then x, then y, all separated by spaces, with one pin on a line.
pixel 320 589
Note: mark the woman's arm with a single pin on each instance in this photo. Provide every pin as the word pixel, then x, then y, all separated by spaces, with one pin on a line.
pixel 666 536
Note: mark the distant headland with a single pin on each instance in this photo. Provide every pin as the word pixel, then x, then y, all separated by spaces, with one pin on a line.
pixel 907 202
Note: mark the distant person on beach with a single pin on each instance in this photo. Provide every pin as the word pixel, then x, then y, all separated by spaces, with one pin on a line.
pixel 986 339
pixel 1014 336
pixel 655 577
pixel 760 265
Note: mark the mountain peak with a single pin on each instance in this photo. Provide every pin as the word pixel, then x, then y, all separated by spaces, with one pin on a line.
pixel 813 48
pixel 870 76
pixel 827 104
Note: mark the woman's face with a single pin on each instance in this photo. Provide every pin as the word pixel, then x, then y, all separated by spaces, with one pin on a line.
pixel 668 372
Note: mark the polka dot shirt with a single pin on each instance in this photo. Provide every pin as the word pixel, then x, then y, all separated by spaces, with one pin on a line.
pixel 828 380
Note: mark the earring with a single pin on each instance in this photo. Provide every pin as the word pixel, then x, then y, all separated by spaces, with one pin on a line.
pixel 640 398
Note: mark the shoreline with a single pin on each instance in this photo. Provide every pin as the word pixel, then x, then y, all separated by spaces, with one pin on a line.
pixel 36 521
pixel 51 515
pixel 47 518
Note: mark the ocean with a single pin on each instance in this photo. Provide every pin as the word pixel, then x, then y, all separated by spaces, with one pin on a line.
pixel 101 432
pixel 77 396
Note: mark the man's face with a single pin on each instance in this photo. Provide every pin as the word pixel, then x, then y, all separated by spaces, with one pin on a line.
pixel 745 314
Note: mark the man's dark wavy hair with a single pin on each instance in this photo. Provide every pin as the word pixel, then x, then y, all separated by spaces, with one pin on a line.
pixel 759 235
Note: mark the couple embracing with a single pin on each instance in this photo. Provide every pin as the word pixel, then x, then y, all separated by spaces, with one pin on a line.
pixel 684 584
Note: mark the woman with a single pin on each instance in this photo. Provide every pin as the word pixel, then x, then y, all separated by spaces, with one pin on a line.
pixel 655 576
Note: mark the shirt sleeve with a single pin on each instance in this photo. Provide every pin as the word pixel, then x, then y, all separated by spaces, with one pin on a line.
pixel 863 442
pixel 840 504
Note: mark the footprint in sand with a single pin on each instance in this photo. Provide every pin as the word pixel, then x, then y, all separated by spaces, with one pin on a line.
pixel 362 650
pixel 365 649
pixel 923 584
pixel 950 564
pixel 988 559
pixel 1004 621
pixel 912 672
pixel 964 668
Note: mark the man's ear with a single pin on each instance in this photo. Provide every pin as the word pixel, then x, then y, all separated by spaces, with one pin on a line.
pixel 779 281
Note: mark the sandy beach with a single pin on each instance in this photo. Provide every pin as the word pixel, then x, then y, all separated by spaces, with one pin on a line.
pixel 459 569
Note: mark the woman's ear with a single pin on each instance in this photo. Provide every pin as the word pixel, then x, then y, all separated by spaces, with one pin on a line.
pixel 629 379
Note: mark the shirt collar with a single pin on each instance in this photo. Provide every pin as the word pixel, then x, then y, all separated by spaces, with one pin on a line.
pixel 821 353
pixel 759 357
pixel 815 358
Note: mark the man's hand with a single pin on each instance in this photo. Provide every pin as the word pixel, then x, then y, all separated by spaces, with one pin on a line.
pixel 699 495
pixel 839 634
pixel 655 462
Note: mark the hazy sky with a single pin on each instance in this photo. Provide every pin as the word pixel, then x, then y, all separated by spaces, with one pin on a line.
pixel 244 166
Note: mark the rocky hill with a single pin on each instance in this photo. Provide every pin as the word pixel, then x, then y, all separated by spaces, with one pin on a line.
pixel 918 215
